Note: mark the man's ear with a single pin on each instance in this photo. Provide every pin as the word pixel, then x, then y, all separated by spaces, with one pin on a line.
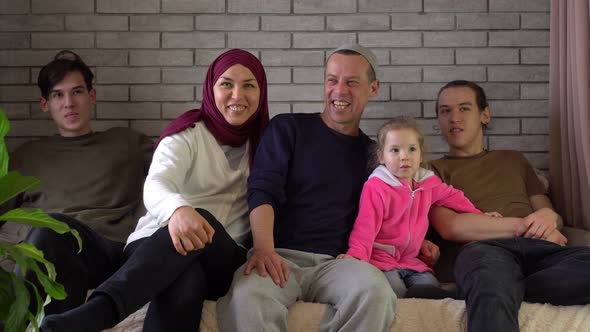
pixel 43 104
pixel 92 95
pixel 375 88
pixel 486 116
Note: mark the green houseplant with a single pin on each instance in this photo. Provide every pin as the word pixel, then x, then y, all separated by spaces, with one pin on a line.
pixel 14 295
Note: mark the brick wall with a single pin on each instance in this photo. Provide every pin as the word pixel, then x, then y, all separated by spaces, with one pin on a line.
pixel 150 57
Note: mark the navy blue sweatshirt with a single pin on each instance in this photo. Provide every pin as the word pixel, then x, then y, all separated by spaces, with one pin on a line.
pixel 312 177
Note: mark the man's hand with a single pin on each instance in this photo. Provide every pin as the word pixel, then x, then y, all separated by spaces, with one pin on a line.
pixel 268 262
pixel 429 253
pixel 189 230
pixel 344 256
pixel 555 236
pixel 540 223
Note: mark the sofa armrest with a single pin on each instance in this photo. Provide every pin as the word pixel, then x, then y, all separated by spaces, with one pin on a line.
pixel 576 236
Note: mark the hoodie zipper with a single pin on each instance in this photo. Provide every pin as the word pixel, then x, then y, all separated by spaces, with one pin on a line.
pixel 410 220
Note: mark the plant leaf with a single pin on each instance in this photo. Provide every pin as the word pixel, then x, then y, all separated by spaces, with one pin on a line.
pixel 4 128
pixel 27 255
pixel 24 252
pixel 38 218
pixel 7 295
pixel 51 287
pixel 18 310
pixel 14 183
pixel 4 124
pixel 40 314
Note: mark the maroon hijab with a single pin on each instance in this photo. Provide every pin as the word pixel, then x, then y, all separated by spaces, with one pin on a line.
pixel 225 133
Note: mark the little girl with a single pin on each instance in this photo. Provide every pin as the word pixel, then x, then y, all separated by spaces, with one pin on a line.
pixel 393 213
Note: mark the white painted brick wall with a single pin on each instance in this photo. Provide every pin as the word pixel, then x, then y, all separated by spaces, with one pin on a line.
pixel 15 40
pixel 534 91
pixel 487 21
pixel 161 23
pixel 322 6
pixel 17 110
pixel 292 23
pixel 96 23
pixel 106 110
pixel 193 40
pixel 62 6
pixel 14 7
pixel 127 40
pixel 118 75
pixel 422 21
pixel 128 6
pixel 192 6
pixel 358 22
pixel 258 6
pixel 14 75
pixel 61 40
pixel 227 22
pixel 161 58
pixel 150 57
pixel 389 6
pixel 478 56
pixel 455 5
pixel 31 23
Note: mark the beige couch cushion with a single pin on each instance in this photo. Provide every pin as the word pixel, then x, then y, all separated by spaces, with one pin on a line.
pixel 411 315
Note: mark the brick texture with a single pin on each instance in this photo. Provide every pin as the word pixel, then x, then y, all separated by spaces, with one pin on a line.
pixel 150 58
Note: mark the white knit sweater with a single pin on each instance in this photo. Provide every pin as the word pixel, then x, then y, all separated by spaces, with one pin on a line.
pixel 191 168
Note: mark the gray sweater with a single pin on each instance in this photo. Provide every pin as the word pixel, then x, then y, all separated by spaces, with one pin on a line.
pixel 95 178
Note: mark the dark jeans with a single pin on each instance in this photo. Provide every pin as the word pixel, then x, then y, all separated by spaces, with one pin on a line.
pixel 77 272
pixel 495 276
pixel 176 285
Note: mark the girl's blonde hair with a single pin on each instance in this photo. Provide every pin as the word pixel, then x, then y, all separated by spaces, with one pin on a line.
pixel 398 122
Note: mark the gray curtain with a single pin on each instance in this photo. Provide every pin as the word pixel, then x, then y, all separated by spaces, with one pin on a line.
pixel 569 110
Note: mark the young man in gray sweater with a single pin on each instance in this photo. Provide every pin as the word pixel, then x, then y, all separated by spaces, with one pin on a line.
pixel 91 180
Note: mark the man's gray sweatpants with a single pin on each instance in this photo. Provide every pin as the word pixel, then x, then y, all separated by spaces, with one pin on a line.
pixel 358 295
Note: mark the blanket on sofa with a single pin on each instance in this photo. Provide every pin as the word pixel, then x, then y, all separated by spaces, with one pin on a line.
pixel 411 315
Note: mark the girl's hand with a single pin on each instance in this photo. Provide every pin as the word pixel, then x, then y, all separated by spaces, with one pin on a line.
pixel 429 253
pixel 344 256
pixel 493 214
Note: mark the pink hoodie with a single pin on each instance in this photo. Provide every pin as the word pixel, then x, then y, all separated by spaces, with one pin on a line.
pixel 393 220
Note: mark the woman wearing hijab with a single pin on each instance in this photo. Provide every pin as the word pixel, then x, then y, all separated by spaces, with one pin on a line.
pixel 195 233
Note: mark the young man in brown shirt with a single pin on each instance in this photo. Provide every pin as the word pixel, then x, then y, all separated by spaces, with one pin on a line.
pixel 520 257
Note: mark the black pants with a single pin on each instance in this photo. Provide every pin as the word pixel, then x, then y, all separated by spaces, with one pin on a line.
pixel 176 285
pixel 77 272
pixel 495 276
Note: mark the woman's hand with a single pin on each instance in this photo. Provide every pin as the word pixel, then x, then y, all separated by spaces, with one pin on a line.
pixel 189 230
pixel 493 214
pixel 268 262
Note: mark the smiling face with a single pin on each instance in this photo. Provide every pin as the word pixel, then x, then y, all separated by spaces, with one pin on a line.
pixel 460 121
pixel 346 92
pixel 401 153
pixel 237 94
pixel 70 104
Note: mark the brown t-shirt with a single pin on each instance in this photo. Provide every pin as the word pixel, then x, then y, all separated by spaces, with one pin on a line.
pixel 96 178
pixel 500 181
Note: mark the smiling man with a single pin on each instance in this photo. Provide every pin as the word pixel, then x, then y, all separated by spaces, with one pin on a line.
pixel 303 195
pixel 91 180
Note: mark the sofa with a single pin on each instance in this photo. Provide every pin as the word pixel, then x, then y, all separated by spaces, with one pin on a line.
pixel 411 314
pixel 421 314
